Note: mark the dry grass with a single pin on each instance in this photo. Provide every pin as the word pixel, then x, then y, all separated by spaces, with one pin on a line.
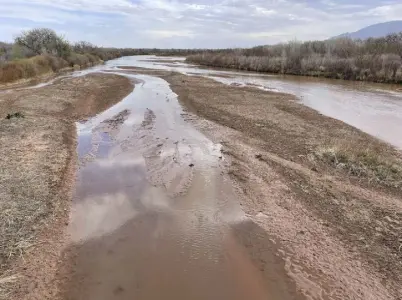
pixel 362 161
pixel 32 151
pixel 42 64
pixel 32 165
pixel 7 282
pixel 30 67
pixel 36 154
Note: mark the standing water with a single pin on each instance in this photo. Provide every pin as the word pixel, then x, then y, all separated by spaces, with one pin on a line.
pixel 153 215
pixel 155 218
pixel 373 108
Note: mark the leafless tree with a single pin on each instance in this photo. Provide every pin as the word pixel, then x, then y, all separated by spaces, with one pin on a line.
pixel 44 41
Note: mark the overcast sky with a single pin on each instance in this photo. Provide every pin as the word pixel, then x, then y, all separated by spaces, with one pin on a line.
pixel 193 23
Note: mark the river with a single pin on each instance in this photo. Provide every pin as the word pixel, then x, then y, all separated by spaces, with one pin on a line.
pixel 154 216
pixel 373 108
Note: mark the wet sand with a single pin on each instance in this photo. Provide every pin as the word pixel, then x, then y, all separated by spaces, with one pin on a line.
pixel 155 216
pixel 220 201
pixel 193 188
pixel 337 233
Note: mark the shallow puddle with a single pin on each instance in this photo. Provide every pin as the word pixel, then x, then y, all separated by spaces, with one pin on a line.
pixel 153 216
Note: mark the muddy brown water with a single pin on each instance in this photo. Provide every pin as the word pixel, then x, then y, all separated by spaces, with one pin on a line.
pixel 154 217
pixel 372 108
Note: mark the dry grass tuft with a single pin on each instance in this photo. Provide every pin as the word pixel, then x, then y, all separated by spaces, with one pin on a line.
pixel 7 283
pixel 363 161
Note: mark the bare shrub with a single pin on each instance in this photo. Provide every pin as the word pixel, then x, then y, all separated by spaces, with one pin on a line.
pixel 377 59
pixel 390 65
pixel 311 63
pixel 76 59
pixel 42 50
pixel 30 67
pixel 44 41
pixel 92 58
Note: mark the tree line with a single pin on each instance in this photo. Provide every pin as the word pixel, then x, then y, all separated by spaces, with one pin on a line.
pixel 42 50
pixel 44 41
pixel 373 59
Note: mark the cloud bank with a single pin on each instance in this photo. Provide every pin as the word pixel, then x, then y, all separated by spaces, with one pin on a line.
pixel 193 23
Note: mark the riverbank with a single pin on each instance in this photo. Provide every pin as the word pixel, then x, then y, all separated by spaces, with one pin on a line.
pixel 38 146
pixel 42 67
pixel 322 199
pixel 372 68
pixel 326 192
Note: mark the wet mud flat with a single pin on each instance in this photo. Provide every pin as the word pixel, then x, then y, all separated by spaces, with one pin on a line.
pixel 338 229
pixel 243 194
pixel 155 216
pixel 38 163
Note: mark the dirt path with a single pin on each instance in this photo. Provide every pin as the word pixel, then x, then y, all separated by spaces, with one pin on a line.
pixel 38 163
pixel 326 193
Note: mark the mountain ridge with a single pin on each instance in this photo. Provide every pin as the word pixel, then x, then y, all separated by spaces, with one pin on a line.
pixel 375 30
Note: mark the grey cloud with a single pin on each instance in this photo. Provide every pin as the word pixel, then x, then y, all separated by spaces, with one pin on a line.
pixel 200 23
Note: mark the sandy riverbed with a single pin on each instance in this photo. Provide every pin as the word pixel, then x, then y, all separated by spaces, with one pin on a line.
pixel 191 188
pixel 340 230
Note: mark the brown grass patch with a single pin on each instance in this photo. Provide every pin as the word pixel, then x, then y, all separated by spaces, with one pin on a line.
pixel 43 64
pixel 362 161
pixel 30 67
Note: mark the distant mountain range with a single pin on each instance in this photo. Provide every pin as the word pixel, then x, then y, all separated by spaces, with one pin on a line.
pixel 376 30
